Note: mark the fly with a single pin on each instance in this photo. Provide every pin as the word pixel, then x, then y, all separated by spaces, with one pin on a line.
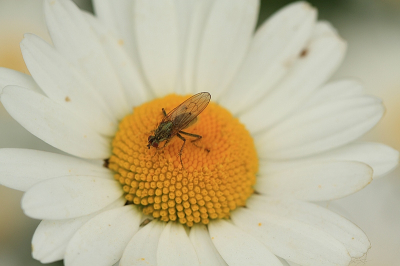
pixel 183 116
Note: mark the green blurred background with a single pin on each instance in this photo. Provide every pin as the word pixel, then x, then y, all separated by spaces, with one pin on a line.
pixel 372 31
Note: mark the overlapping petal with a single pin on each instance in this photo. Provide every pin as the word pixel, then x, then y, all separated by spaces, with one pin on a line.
pixel 292 240
pixel 320 128
pixel 117 15
pixel 157 39
pixel 142 249
pixel 13 77
pixel 51 237
pixel 316 181
pixel 196 25
pixel 102 240
pixel 21 168
pixel 205 249
pixel 227 34
pixel 54 124
pixel 69 197
pixel 340 89
pixel 318 61
pixel 174 247
pixel 238 248
pixel 61 82
pixel 274 48
pixel 127 71
pixel 351 236
pixel 77 42
pixel 381 158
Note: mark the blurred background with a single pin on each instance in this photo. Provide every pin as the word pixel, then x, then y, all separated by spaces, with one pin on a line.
pixel 372 31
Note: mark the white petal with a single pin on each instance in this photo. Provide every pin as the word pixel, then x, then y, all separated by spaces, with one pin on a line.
pixel 226 37
pixel 205 249
pixel 62 83
pixel 351 236
pixel 320 128
pixel 51 237
pixel 322 57
pixel 21 168
pixel 196 25
pixel 186 11
pixel 292 240
pixel 102 240
pixel 324 27
pixel 128 73
pixel 157 34
pixel 69 197
pixel 239 248
pixel 274 48
pixel 316 181
pixel 12 77
pixel 380 157
pixel 75 40
pixel 54 124
pixel 175 248
pixel 117 15
pixel 336 90
pixel 142 249
pixel 284 262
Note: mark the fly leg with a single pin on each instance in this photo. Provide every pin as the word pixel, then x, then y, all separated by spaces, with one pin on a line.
pixel 163 111
pixel 180 152
pixel 198 137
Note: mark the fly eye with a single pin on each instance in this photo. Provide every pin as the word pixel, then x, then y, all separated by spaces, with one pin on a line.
pixel 155 144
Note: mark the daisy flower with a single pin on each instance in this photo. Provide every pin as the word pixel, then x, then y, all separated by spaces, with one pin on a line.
pixel 275 137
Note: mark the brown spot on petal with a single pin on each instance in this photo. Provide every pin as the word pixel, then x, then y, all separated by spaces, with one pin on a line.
pixel 304 53
pixel 67 99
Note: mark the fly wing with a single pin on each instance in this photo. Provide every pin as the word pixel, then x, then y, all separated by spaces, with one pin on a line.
pixel 183 114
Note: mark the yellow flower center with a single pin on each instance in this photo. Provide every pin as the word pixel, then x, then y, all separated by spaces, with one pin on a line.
pixel 218 170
